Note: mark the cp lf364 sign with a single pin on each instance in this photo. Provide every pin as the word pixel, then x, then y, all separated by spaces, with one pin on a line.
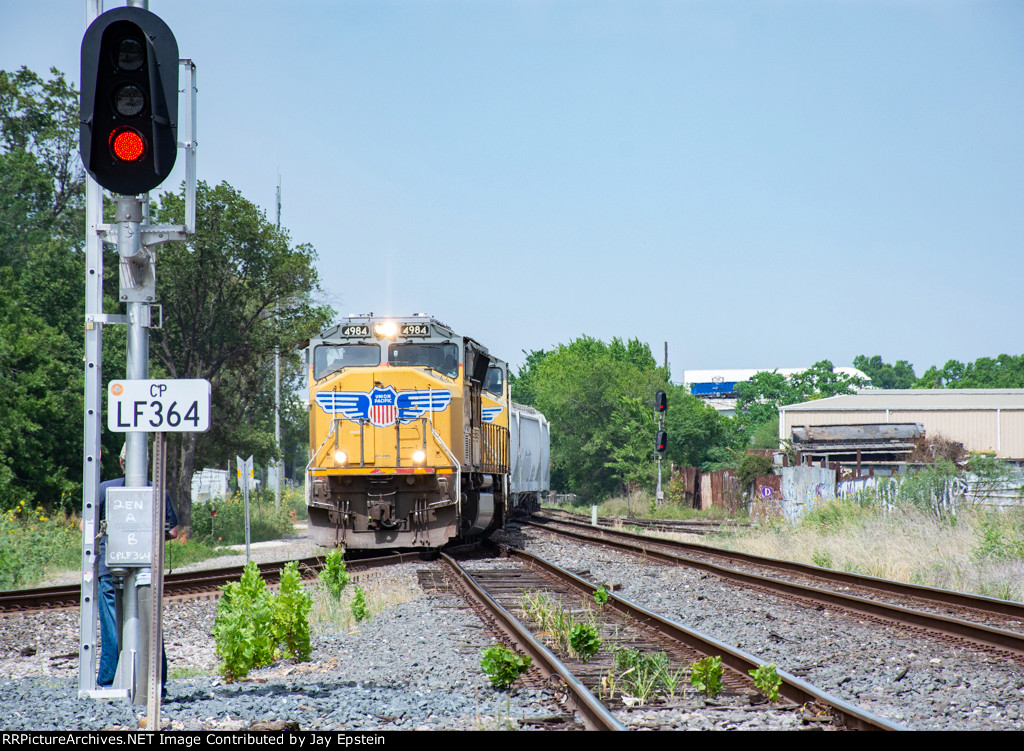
pixel 169 406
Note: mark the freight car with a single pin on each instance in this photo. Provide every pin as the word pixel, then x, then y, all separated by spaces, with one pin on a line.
pixel 414 442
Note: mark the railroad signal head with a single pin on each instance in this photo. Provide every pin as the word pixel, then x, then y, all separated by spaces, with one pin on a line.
pixel 129 108
pixel 661 402
pixel 661 441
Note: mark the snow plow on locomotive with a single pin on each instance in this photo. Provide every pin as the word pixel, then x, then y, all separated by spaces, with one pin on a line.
pixel 409 436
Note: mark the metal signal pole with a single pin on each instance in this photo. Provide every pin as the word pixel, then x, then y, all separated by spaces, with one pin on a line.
pixel 277 388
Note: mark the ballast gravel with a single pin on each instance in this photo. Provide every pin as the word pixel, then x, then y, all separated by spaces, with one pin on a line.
pixel 917 682
pixel 415 666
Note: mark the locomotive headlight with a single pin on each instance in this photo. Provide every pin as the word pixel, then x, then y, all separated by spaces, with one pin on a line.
pixel 419 456
pixel 386 329
pixel 340 457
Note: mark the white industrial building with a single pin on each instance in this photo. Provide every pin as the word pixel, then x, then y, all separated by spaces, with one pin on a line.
pixel 983 420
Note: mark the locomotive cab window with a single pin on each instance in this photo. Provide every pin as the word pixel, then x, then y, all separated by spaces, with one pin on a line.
pixel 444 358
pixel 494 381
pixel 330 357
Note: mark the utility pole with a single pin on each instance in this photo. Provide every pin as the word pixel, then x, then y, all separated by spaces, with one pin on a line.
pixel 277 388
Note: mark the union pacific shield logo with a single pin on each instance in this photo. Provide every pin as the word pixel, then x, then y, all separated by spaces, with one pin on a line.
pixel 383 407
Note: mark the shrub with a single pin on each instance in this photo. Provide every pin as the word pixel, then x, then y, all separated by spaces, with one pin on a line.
pixel 584 640
pixel 767 680
pixel 334 575
pixel 503 666
pixel 254 627
pixel 706 675
pixel 359 609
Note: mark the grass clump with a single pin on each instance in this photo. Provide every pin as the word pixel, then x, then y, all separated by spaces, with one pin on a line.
pixel 973 550
pixel 379 593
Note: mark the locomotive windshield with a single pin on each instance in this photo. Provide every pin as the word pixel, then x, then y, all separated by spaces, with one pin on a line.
pixel 493 382
pixel 444 358
pixel 330 357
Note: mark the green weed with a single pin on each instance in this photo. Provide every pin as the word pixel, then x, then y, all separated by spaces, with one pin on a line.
pixel 706 676
pixel 767 681
pixel 503 666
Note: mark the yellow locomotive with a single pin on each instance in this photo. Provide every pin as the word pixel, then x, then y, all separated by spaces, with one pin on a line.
pixel 409 438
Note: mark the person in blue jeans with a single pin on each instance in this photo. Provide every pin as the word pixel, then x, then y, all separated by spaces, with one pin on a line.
pixel 107 604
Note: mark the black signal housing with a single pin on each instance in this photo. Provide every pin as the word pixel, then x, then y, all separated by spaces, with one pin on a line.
pixel 128 133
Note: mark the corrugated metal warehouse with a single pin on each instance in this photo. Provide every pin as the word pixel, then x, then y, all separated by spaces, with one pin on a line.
pixel 989 420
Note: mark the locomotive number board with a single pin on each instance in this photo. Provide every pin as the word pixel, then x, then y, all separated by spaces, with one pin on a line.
pixel 414 329
pixel 356 330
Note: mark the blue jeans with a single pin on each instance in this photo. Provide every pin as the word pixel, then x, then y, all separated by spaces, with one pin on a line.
pixel 108 632
pixel 109 638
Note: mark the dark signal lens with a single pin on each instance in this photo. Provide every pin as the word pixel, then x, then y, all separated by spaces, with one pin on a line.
pixel 127 144
pixel 129 100
pixel 129 54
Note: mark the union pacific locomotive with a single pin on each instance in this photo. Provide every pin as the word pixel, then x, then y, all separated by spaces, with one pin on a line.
pixel 409 436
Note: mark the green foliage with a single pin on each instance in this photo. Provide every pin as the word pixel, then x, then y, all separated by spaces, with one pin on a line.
pixel 706 675
pixel 930 488
pixel 1003 372
pixel 767 680
pixel 584 640
pixel 836 515
pixel 291 614
pixel 1002 537
pixel 254 627
pixel 753 466
pixel 599 399
pixel 759 398
pixel 41 347
pixel 222 520
pixel 334 575
pixel 359 610
pixel 886 376
pixel 243 628
pixel 237 293
pixel 503 666
pixel 601 595
pixel 822 558
pixel 32 542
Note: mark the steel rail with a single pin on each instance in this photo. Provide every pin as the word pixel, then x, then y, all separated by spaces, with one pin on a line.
pixel 988 636
pixel 793 688
pixel 595 715
pixel 183 584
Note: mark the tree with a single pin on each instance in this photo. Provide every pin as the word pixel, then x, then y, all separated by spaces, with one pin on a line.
pixel 760 397
pixel 886 376
pixel 41 176
pixel 1003 372
pixel 233 295
pixel 599 399
pixel 41 235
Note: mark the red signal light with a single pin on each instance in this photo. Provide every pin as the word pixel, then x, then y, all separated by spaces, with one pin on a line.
pixel 127 144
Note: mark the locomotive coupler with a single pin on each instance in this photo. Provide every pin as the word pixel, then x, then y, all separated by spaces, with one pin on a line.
pixel 381 514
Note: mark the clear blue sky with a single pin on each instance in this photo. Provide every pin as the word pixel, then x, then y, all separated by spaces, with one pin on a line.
pixel 760 184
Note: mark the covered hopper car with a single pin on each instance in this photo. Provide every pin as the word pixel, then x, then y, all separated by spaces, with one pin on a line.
pixel 414 442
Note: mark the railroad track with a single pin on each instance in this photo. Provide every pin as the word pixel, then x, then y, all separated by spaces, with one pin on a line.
pixel 680 526
pixel 953 616
pixel 499 588
pixel 184 585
